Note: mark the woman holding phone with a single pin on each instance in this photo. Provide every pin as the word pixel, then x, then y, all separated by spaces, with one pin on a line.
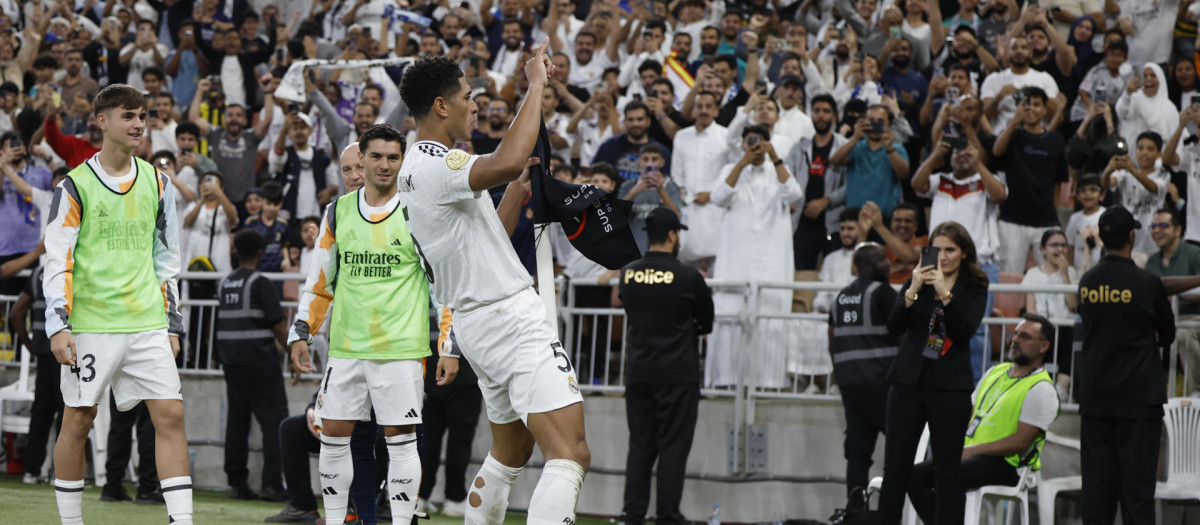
pixel 930 381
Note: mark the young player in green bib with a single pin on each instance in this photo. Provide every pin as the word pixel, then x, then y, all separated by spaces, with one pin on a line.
pixel 112 313
pixel 379 335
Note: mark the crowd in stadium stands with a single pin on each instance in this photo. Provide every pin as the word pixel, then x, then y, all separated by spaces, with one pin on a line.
pixel 1019 121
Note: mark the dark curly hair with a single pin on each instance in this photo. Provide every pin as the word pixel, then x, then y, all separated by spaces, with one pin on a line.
pixel 427 79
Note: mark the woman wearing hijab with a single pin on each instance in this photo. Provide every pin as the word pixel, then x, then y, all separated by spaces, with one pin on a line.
pixel 1145 106
pixel 1086 57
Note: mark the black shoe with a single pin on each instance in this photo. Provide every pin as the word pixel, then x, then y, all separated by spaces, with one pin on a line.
pixel 291 514
pixel 242 492
pixel 114 492
pixel 273 494
pixel 419 516
pixel 150 496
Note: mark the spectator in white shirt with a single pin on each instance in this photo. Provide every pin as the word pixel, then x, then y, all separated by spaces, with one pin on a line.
pixel 1083 228
pixel 143 53
pixel 999 88
pixel 161 124
pixel 1140 188
pixel 1183 154
pixel 699 154
pixel 1058 307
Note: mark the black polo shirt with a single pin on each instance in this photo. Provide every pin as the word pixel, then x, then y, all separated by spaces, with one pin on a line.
pixel 667 307
pixel 1126 318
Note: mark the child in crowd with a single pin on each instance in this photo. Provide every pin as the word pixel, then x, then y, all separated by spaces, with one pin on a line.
pixel 273 229
pixel 1083 228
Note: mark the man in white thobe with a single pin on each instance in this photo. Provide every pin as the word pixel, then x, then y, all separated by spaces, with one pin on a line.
pixel 755 245
pixel 696 161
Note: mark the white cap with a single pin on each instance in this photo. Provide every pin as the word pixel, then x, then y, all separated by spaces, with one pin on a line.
pixel 307 120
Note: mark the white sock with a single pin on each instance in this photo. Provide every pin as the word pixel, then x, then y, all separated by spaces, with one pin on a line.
pixel 177 492
pixel 70 501
pixel 337 471
pixel 404 476
pixel 553 500
pixel 488 499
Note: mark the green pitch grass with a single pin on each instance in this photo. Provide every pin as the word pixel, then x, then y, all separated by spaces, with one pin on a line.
pixel 35 504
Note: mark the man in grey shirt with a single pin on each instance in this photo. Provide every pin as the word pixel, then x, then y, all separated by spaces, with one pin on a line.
pixel 649 191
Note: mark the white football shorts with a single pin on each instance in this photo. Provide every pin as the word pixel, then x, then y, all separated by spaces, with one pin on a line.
pixel 138 366
pixel 351 387
pixel 522 367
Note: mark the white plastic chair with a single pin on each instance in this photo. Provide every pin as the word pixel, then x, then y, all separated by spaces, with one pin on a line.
pixel 16 392
pixel 1181 416
pixel 876 484
pixel 1020 494
pixel 1048 489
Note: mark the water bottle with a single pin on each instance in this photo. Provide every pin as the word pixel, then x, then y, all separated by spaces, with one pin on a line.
pixel 715 517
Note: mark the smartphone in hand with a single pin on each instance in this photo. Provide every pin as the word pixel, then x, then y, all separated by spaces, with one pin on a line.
pixel 929 256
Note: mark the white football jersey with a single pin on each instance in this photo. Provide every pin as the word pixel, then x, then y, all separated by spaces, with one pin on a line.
pixel 468 258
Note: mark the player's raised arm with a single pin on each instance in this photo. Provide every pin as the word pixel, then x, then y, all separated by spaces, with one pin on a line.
pixel 506 163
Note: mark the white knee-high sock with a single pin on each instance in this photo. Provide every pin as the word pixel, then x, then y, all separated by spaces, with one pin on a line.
pixel 404 476
pixel 488 497
pixel 177 492
pixel 553 501
pixel 70 501
pixel 337 471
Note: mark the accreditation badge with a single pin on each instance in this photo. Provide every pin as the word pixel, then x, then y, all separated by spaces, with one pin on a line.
pixel 974 425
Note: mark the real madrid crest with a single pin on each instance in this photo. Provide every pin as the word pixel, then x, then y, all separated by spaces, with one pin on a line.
pixel 456 159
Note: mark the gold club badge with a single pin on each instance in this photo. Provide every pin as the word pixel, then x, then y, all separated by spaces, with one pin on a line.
pixel 456 159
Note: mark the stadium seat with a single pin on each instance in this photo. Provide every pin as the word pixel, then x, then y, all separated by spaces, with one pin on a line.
pixel 1019 494
pixel 1182 420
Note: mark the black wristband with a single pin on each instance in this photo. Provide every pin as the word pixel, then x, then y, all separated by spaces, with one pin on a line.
pixel 778 162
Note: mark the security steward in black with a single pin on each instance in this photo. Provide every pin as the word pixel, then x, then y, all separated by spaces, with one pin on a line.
pixel 668 306
pixel 1126 319
pixel 47 398
pixel 249 322
pixel 930 381
pixel 862 352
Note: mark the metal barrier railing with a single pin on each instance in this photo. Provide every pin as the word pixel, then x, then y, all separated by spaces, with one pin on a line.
pixel 775 355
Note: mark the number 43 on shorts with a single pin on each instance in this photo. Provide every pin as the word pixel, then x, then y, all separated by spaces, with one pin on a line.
pixel 557 348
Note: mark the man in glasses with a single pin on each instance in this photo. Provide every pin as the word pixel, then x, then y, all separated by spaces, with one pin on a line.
pixel 1177 258
pixel 1014 405
pixel 498 114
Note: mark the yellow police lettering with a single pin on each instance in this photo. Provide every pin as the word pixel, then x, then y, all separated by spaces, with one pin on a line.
pixel 649 276
pixel 1105 294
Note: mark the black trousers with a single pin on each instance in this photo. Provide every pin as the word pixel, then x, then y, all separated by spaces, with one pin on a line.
pixel 976 472
pixel 662 423
pixel 453 412
pixel 120 445
pixel 865 420
pixel 253 390
pixel 809 241
pixel 908 409
pixel 47 408
pixel 1119 460
pixel 296 444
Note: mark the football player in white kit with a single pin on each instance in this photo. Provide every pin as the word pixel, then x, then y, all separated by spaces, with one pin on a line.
pixel 527 380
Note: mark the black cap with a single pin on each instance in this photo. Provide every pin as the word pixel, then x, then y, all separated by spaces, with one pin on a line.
pixel 964 27
pixel 1116 221
pixel 662 219
pixel 790 79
